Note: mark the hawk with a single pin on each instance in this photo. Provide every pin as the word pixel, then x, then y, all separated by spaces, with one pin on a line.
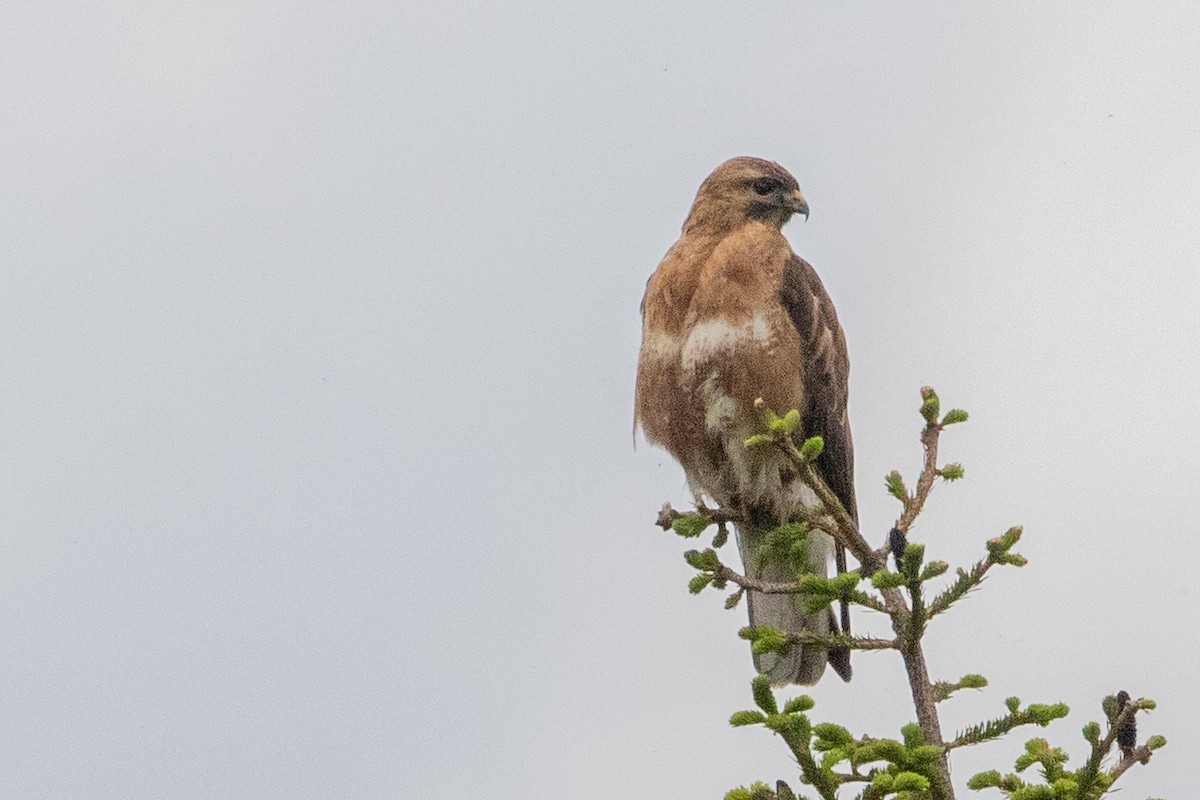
pixel 730 315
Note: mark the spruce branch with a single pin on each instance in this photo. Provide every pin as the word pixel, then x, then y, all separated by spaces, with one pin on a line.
pixel 918 766
pixel 718 573
pixel 727 573
pixel 794 727
pixel 942 690
pixel 853 642
pixel 1034 714
pixel 965 582
pixel 867 601
pixel 822 778
pixel 999 552
pixel 693 524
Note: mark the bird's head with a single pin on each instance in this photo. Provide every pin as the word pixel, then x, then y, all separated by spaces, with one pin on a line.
pixel 744 189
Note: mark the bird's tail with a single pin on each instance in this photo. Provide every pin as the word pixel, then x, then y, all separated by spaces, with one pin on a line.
pixel 803 664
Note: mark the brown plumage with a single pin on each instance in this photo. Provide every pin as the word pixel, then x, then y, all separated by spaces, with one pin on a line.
pixel 732 315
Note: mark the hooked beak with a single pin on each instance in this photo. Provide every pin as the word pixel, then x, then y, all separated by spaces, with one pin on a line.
pixel 798 204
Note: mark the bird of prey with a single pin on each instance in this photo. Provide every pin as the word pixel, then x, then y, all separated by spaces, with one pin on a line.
pixel 732 315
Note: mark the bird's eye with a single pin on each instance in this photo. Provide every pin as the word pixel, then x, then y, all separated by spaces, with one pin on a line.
pixel 764 186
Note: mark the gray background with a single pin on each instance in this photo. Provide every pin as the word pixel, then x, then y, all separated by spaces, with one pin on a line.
pixel 318 326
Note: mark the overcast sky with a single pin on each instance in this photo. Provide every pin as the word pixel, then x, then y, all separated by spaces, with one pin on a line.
pixel 318 329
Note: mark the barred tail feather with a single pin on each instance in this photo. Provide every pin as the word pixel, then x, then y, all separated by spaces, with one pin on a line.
pixel 802 664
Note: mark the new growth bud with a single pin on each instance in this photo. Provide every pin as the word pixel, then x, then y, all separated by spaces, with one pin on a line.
pixel 764 698
pixel 973 681
pixel 951 472
pixel 690 526
pixel 894 482
pixel 787 423
pixel 953 416
pixel 741 718
pixel 930 405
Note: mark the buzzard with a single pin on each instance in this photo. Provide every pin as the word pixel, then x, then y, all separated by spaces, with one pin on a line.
pixel 732 315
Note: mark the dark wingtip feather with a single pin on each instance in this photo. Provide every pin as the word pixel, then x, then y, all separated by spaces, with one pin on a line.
pixel 839 659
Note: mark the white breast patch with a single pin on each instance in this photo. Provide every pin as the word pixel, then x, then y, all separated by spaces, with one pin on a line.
pixel 660 346
pixel 717 337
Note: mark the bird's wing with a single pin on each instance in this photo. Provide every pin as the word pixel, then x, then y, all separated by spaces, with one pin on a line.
pixel 826 376
pixel 826 394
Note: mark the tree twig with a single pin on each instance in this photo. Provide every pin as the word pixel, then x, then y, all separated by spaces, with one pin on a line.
pixel 840 640
pixel 929 470
pixel 725 573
